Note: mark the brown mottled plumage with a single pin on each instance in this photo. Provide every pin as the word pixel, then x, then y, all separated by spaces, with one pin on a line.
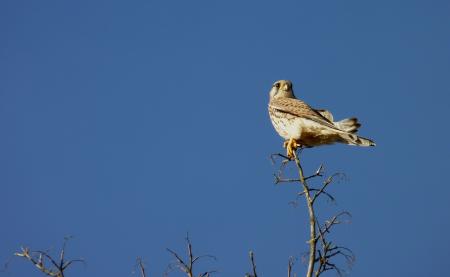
pixel 298 123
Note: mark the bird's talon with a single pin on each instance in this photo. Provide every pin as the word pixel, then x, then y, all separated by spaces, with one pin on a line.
pixel 291 146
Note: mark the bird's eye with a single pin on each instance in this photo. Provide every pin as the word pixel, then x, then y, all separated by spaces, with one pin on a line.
pixel 277 85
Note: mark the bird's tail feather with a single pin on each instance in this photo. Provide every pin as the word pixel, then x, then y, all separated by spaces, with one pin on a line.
pixel 350 125
pixel 357 140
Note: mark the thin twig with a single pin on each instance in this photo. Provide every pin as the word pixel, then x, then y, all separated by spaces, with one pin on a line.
pixel 141 266
pixel 279 180
pixel 252 261
pixel 323 192
pixel 290 264
pixel 334 221
pixel 328 181
pixel 318 173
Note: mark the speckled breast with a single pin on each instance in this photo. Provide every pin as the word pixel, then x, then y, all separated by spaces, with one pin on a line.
pixel 287 125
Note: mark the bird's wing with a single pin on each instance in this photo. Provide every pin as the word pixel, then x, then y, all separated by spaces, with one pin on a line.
pixel 301 109
pixel 326 114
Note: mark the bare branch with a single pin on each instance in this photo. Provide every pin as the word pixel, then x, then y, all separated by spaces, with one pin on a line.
pixel 252 260
pixel 285 160
pixel 68 263
pixel 312 218
pixel 318 173
pixel 204 256
pixel 290 264
pixel 43 253
pixel 328 181
pixel 207 273
pixel 180 261
pixel 38 259
pixel 188 267
pixel 334 221
pixel 323 192
pixel 321 251
pixel 141 266
pixel 279 180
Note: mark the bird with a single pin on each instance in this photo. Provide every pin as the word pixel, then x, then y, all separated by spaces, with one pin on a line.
pixel 303 127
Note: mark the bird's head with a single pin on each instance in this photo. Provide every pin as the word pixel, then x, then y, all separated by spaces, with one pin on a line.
pixel 282 88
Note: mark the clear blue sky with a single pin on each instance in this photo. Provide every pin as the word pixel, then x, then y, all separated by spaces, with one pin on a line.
pixel 103 133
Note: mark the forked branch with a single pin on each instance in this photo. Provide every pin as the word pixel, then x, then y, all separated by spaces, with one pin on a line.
pixel 321 250
pixel 46 263
pixel 188 265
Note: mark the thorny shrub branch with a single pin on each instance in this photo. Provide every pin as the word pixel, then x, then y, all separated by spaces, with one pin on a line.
pixel 188 266
pixel 321 249
pixel 41 260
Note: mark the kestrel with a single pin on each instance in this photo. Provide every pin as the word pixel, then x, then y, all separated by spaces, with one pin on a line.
pixel 302 126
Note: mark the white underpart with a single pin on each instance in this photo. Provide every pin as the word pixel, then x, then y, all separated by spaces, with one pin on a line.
pixel 294 127
pixel 294 130
pixel 287 127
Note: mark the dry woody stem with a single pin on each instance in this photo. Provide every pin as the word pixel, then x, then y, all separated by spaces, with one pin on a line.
pixel 321 249
pixel 187 265
pixel 46 263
